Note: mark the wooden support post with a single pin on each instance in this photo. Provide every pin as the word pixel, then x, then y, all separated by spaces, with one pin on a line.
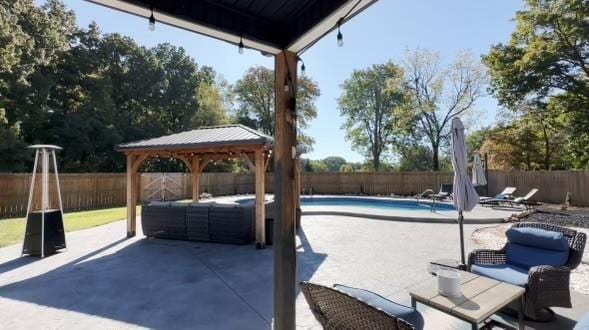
pixel 195 169
pixel 131 196
pixel 285 258
pixel 298 193
pixel 260 202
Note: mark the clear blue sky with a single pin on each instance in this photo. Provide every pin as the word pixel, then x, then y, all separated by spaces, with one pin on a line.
pixel 380 33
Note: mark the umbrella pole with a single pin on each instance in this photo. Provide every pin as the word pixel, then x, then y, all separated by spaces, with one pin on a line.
pixel 460 222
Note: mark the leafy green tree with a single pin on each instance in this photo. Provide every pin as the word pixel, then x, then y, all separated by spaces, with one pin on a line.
pixel 346 168
pixel 416 158
pixel 88 92
pixel 370 102
pixel 546 62
pixel 334 163
pixel 11 147
pixel 254 98
pixel 439 95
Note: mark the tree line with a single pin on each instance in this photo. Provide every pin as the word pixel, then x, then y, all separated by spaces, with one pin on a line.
pixel 87 92
pixel 398 114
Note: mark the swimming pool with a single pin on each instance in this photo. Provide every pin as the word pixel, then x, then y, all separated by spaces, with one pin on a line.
pixel 376 203
pixel 382 208
pixel 383 204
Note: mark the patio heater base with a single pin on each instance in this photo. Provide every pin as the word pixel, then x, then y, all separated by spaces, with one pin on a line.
pixel 54 233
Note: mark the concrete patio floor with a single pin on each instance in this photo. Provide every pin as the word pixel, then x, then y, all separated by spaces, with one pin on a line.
pixel 106 281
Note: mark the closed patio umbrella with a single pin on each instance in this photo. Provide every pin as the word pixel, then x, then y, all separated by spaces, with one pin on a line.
pixel 465 196
pixel 478 173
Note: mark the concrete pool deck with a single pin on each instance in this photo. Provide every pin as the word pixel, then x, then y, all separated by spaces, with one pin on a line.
pixel 479 214
pixel 104 281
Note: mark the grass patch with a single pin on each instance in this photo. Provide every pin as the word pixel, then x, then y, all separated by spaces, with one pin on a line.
pixel 12 230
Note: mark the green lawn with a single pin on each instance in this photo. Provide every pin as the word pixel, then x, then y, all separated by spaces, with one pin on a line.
pixel 12 230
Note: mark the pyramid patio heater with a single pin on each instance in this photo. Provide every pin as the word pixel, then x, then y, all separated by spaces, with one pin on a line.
pixel 44 234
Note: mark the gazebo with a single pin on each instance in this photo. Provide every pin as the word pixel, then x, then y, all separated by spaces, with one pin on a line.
pixel 197 148
pixel 283 29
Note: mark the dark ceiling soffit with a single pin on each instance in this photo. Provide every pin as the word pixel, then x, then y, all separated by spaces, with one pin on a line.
pixel 219 17
pixel 196 146
pixel 228 24
pixel 183 22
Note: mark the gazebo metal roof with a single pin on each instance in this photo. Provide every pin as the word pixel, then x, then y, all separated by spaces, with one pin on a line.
pixel 205 137
pixel 266 25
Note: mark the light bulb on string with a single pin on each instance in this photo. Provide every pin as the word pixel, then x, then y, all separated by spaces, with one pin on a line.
pixel 151 21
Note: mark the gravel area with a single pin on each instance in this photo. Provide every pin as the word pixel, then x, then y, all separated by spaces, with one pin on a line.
pixel 493 237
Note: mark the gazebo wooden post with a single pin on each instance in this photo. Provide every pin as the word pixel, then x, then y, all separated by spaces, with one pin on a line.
pixel 131 196
pixel 260 169
pixel 195 169
pixel 298 193
pixel 285 258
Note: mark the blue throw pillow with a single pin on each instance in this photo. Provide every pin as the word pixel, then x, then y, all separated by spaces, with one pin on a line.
pixel 407 314
pixel 538 238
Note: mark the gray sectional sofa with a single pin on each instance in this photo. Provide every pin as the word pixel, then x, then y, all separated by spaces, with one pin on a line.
pixel 205 222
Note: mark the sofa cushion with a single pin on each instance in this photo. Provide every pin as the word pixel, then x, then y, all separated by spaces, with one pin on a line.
pixel 408 314
pixel 538 238
pixel 159 203
pixel 503 272
pixel 527 257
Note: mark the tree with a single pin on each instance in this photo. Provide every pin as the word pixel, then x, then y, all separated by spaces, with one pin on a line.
pixel 416 158
pixel 334 163
pixel 254 98
pixel 369 103
pixel 346 168
pixel 88 92
pixel 439 95
pixel 11 147
pixel 546 62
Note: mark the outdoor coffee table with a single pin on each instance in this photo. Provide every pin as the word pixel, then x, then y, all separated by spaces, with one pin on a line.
pixel 481 298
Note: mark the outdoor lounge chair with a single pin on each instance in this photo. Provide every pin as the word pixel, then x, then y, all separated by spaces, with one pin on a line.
pixel 538 257
pixel 446 191
pixel 507 193
pixel 519 201
pixel 342 307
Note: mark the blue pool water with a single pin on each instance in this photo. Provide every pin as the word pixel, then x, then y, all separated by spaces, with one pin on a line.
pixel 384 204
pixel 371 203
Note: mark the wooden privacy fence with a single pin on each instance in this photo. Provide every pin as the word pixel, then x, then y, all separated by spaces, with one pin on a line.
pixel 552 185
pixel 99 190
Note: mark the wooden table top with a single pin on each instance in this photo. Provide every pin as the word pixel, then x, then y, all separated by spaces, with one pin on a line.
pixel 481 297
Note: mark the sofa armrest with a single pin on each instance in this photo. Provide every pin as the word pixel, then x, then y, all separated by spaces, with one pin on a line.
pixel 549 286
pixel 486 257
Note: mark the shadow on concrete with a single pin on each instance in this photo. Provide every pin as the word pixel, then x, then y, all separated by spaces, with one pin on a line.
pixel 16 263
pixel 164 284
pixel 26 259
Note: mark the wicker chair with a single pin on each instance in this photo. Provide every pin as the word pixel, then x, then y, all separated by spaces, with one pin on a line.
pixel 335 309
pixel 547 286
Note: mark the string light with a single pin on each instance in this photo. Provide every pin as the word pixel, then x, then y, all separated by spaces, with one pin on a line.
pixel 340 37
pixel 151 21
pixel 303 68
pixel 240 45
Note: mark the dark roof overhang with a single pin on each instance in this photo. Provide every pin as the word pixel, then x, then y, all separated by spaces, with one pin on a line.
pixel 265 25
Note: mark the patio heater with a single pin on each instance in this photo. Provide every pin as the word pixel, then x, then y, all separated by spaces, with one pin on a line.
pixel 44 234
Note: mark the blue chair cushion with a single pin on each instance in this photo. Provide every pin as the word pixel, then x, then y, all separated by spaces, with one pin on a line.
pixel 583 323
pixel 538 238
pixel 529 247
pixel 408 314
pixel 503 272
pixel 527 257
